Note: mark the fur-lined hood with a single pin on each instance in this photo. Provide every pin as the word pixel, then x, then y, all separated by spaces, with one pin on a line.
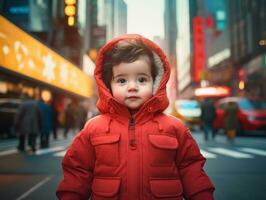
pixel 159 101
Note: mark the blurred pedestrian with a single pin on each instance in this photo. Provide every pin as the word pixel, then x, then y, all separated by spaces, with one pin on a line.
pixel 70 118
pixel 46 122
pixel 231 122
pixel 81 116
pixel 28 123
pixel 55 121
pixel 208 115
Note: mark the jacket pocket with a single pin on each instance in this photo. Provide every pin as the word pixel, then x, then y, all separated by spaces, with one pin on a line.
pixel 106 149
pixel 162 150
pixel 105 188
pixel 166 189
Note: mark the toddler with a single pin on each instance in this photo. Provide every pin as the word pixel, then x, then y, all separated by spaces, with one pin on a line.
pixel 132 150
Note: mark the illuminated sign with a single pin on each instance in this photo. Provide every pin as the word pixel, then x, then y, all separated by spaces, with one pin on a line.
pixel 215 91
pixel 199 53
pixel 21 53
pixel 19 9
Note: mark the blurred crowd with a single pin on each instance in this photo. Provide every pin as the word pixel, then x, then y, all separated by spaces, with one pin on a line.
pixel 37 120
pixel 203 114
pixel 208 116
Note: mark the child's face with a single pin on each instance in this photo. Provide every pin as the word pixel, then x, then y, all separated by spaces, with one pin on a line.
pixel 132 83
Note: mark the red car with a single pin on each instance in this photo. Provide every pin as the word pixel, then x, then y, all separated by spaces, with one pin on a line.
pixel 251 115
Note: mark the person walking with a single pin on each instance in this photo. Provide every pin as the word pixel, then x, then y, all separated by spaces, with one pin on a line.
pixel 55 121
pixel 231 122
pixel 46 122
pixel 81 116
pixel 70 118
pixel 27 124
pixel 208 114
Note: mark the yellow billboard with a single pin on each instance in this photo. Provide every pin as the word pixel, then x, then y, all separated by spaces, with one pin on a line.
pixel 21 53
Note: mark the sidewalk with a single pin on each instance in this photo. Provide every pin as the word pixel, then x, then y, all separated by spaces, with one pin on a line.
pixel 9 146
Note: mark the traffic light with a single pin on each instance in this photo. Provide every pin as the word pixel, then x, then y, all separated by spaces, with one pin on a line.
pixel 70 11
pixel 241 79
pixel 241 84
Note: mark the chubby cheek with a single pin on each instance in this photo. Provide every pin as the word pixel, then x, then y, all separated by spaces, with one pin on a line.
pixel 118 95
pixel 147 94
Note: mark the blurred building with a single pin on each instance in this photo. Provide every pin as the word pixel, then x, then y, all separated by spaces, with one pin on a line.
pixel 170 32
pixel 26 64
pixel 218 43
pixel 51 46
pixel 234 45
pixel 114 17
pixel 120 17
pixel 42 44
pixel 217 68
pixel 248 44
pixel 178 47
pixel 170 27
pixel 183 54
pixel 199 42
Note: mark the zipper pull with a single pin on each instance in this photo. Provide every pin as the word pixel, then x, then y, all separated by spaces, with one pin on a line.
pixel 132 140
pixel 131 123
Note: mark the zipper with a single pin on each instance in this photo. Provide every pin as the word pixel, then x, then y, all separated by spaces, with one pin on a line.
pixel 131 132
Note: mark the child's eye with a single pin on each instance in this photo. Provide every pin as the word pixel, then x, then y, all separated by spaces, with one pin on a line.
pixel 142 79
pixel 121 80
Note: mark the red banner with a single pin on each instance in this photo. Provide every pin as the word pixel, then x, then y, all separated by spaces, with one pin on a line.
pixel 199 53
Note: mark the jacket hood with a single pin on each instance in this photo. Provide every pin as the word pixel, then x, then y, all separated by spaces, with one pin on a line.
pixel 159 101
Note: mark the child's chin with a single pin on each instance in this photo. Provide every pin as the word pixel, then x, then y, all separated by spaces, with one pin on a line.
pixel 134 108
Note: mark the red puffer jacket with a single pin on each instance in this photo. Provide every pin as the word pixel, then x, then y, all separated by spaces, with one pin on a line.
pixel 146 156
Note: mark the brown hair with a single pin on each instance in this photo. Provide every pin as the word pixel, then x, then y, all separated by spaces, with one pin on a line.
pixel 126 52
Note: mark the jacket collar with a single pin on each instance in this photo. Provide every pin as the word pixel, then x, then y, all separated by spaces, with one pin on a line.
pixel 145 113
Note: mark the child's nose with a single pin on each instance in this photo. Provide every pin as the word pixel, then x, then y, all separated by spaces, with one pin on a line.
pixel 132 85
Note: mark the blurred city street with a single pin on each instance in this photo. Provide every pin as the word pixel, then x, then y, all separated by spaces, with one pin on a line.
pixel 237 170
pixel 216 51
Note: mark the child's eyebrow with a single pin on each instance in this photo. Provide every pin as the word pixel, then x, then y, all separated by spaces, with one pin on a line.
pixel 123 75
pixel 119 75
pixel 144 74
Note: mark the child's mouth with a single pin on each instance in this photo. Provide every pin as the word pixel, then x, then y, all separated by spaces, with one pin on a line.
pixel 132 98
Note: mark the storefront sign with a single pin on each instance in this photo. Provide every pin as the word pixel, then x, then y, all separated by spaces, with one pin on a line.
pixel 199 49
pixel 21 53
pixel 214 91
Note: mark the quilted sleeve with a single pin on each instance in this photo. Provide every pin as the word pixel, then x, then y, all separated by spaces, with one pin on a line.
pixel 77 166
pixel 190 162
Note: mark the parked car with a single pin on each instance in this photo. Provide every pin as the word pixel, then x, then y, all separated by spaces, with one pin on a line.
pixel 191 111
pixel 8 109
pixel 251 115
